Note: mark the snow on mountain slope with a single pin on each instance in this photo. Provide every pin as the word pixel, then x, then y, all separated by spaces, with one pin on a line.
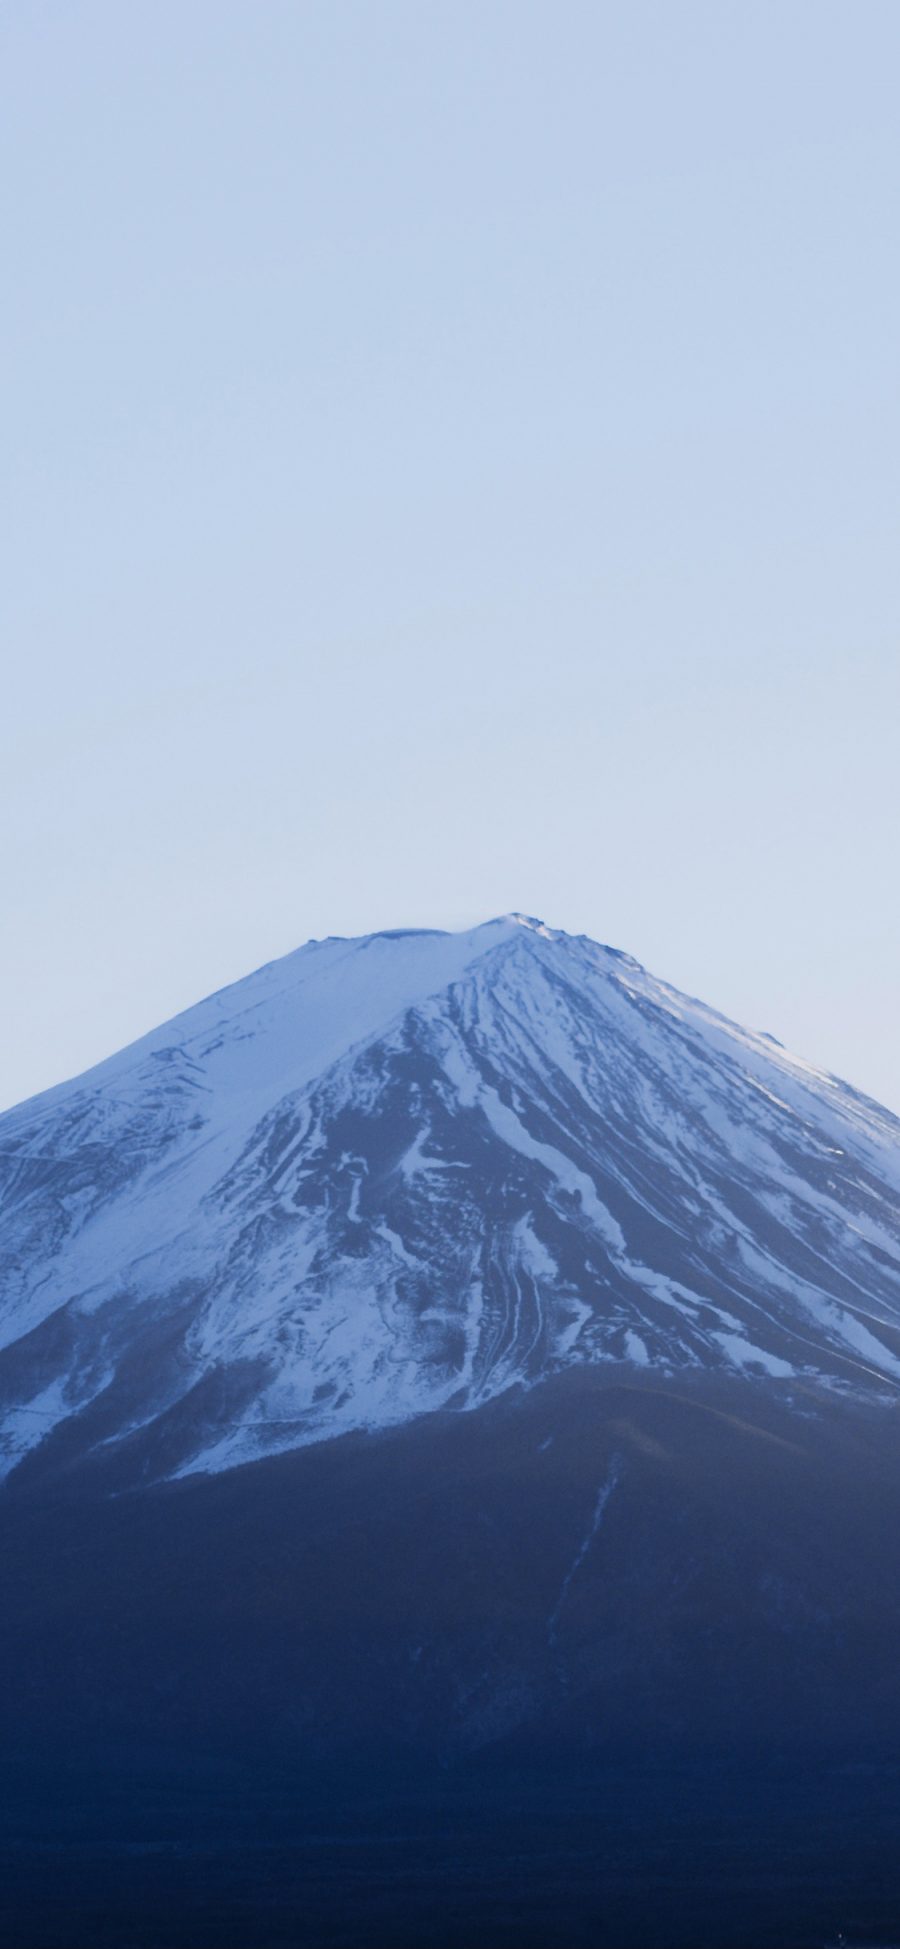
pixel 409 1171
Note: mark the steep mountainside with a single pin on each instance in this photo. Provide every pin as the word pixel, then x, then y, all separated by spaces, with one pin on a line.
pixel 412 1171
pixel 558 1320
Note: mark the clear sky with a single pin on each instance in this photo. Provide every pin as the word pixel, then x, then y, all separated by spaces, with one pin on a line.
pixel 451 464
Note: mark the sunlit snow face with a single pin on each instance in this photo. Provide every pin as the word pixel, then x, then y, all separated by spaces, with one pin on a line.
pixel 412 1171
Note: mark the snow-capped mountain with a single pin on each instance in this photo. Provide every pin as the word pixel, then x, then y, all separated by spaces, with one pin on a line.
pixel 601 1294
pixel 412 1171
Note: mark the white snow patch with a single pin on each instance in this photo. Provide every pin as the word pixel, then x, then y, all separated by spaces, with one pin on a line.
pixel 513 1132
pixel 25 1426
pixel 395 1242
pixel 600 1505
pixel 742 1354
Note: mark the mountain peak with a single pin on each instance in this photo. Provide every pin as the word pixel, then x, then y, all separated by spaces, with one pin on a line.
pixel 534 926
pixel 413 1170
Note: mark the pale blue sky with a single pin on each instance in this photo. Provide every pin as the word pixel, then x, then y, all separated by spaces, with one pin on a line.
pixel 451 464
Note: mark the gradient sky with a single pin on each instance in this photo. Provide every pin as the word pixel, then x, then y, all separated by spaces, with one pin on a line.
pixel 452 464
